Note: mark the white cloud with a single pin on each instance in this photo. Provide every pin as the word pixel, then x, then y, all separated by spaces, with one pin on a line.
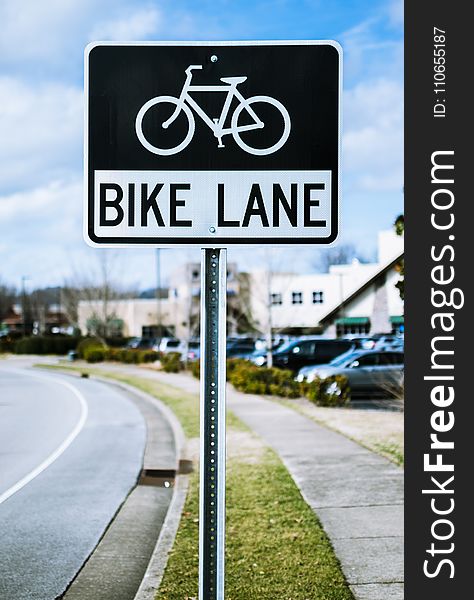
pixel 41 131
pixel 41 227
pixel 49 36
pixel 59 202
pixel 134 26
pixel 373 137
pixel 36 30
pixel 396 12
pixel 368 54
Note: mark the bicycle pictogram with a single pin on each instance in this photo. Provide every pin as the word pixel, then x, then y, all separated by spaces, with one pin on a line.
pixel 246 106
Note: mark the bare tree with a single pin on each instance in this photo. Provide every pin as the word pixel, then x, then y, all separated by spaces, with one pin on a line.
pixel 342 254
pixel 100 288
pixel 239 308
pixel 273 260
pixel 8 297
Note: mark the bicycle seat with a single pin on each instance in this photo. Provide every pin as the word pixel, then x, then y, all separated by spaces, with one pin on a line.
pixel 232 80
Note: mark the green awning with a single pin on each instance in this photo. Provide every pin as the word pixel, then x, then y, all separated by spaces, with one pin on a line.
pixel 353 321
pixel 397 320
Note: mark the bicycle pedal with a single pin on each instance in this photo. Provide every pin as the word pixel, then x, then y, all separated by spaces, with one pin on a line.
pixel 220 145
pixel 216 120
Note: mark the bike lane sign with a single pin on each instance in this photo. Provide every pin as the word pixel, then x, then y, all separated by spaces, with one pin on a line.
pixel 212 144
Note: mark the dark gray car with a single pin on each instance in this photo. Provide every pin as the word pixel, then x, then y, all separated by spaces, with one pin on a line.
pixel 369 372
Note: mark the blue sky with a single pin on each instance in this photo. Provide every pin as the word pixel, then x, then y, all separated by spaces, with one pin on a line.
pixel 41 117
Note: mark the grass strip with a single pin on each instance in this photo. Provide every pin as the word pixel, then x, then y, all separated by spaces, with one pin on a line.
pixel 275 546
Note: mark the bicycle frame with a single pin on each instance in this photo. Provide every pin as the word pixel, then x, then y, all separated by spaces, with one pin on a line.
pixel 216 125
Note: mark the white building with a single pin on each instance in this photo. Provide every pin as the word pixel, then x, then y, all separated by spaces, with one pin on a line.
pixel 178 312
pixel 353 298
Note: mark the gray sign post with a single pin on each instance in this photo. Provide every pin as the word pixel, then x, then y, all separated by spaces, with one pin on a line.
pixel 212 452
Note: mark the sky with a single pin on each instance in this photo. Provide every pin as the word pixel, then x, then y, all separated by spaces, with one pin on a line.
pixel 41 120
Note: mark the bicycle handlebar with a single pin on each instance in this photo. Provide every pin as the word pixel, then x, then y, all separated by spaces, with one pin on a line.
pixel 191 68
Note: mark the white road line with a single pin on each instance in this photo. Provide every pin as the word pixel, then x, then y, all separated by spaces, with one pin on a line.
pixel 63 446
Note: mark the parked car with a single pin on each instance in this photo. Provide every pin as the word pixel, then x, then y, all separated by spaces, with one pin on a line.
pixel 363 342
pixel 369 372
pixel 240 348
pixel 167 345
pixel 387 341
pixel 141 343
pixel 307 351
pixel 194 350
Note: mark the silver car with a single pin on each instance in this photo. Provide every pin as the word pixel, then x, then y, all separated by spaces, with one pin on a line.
pixel 369 372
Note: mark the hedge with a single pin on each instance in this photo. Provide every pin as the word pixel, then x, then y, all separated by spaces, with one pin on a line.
pixel 86 343
pixel 43 344
pixel 171 362
pixel 195 368
pixel 250 379
pixel 331 391
pixel 93 354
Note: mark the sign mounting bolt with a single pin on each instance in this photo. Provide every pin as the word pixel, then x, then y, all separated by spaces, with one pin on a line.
pixel 212 229
pixel 214 58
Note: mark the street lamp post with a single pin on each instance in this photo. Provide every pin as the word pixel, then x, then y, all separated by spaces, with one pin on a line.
pixel 24 278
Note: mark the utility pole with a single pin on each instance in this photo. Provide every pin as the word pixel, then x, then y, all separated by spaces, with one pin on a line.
pixel 23 303
pixel 158 291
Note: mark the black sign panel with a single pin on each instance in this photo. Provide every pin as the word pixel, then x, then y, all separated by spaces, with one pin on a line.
pixel 212 144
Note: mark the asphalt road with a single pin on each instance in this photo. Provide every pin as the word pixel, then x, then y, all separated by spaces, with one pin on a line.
pixel 70 452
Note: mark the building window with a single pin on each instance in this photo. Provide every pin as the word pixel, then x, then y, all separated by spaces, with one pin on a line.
pixel 276 299
pixel 297 297
pixel 318 297
pixel 352 329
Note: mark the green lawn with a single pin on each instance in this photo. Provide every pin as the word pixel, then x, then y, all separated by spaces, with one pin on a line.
pixel 275 547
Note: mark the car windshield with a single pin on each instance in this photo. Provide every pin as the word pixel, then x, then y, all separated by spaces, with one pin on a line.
pixel 343 358
pixel 285 346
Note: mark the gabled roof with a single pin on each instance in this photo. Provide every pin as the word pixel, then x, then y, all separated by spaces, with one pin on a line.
pixel 381 271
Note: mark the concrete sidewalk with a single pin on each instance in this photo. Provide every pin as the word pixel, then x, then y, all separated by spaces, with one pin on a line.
pixel 357 494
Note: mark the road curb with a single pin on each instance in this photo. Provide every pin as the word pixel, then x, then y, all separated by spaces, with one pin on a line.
pixel 159 558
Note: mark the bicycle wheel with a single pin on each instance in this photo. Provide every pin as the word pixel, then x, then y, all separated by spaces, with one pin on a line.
pixel 156 118
pixel 262 100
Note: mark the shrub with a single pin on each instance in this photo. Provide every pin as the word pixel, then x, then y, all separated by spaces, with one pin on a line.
pixel 284 384
pixel 332 391
pixel 88 342
pixel 130 356
pixel 148 356
pixel 251 379
pixel 236 363
pixel 114 354
pixel 7 344
pixel 195 368
pixel 95 354
pixel 171 362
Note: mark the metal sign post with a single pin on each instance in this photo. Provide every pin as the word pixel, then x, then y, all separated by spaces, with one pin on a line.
pixel 212 450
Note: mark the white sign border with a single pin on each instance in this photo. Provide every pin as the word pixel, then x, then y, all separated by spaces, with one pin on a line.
pixel 217 243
